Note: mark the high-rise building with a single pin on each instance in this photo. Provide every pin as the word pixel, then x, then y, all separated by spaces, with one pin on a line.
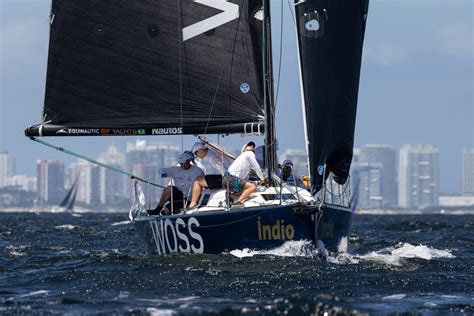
pixel 381 159
pixel 418 180
pixel 7 167
pixel 112 183
pixel 23 182
pixel 366 182
pixel 467 172
pixel 144 159
pixel 50 181
pixel 88 190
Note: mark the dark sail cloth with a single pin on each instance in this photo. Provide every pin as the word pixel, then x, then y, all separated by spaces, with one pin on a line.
pixel 153 67
pixel 330 38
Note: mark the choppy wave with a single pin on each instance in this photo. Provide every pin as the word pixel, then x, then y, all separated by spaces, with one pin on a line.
pixel 394 255
pixel 127 222
pixel 30 294
pixel 389 255
pixel 300 248
pixel 65 227
pixel 95 264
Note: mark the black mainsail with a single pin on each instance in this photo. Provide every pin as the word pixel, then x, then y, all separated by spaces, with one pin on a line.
pixel 330 38
pixel 153 68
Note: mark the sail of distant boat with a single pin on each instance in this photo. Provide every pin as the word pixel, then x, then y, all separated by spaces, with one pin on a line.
pixel 67 204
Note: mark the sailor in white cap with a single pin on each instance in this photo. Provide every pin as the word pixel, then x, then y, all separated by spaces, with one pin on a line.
pixel 210 181
pixel 236 177
pixel 200 151
pixel 179 190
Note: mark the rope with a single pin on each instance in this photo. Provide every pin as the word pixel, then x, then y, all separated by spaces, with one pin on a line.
pixel 346 187
pixel 291 11
pixel 280 55
pixel 67 151
pixel 180 71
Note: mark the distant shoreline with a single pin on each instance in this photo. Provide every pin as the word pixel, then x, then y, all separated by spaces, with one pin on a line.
pixel 358 212
pixel 49 210
pixel 415 212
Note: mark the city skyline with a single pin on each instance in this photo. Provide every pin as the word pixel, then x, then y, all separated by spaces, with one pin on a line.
pixel 295 154
pixel 412 80
pixel 382 177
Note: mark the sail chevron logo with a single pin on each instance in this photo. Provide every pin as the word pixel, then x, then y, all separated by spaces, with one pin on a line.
pixel 230 12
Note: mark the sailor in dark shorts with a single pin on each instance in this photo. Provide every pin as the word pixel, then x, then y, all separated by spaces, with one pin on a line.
pixel 236 177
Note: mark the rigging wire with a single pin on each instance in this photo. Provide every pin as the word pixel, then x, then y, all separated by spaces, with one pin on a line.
pixel 280 54
pixel 291 11
pixel 180 71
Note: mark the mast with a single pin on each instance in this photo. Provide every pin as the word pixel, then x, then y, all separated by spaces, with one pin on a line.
pixel 270 144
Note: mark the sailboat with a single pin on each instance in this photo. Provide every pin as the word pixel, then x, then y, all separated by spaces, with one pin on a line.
pixel 205 67
pixel 67 204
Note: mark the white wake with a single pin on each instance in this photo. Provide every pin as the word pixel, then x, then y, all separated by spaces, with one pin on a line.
pixel 294 248
pixel 394 255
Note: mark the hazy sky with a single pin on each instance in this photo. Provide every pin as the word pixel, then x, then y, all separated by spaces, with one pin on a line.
pixel 416 82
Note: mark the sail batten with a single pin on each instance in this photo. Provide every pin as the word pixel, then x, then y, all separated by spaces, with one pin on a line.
pixel 128 64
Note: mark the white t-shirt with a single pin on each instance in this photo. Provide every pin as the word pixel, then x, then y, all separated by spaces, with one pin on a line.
pixel 182 179
pixel 243 164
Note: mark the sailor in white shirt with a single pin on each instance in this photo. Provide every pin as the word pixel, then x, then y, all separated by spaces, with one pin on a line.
pixel 210 181
pixel 179 190
pixel 236 178
pixel 200 151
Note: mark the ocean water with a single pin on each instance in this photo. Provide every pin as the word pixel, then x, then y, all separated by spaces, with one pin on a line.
pixel 93 263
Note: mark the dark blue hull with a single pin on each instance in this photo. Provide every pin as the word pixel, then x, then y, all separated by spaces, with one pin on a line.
pixel 254 228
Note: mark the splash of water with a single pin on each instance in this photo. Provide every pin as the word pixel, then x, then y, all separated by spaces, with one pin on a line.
pixel 121 223
pixel 65 227
pixel 393 255
pixel 294 248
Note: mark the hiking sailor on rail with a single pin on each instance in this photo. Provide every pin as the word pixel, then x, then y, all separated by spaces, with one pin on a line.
pixel 174 196
pixel 236 177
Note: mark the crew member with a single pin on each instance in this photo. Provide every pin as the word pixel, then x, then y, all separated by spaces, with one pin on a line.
pixel 179 190
pixel 236 177
pixel 287 171
pixel 210 181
